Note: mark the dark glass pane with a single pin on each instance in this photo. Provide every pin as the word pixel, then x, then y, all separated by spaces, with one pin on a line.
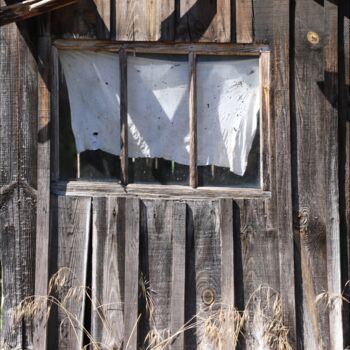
pixel 99 165
pixel 158 170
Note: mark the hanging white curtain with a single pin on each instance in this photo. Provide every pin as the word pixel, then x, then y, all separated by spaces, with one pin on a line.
pixel 227 95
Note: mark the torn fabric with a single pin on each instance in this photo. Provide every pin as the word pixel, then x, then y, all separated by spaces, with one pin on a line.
pixel 227 106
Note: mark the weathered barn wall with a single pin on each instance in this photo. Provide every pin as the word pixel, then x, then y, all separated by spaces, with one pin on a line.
pixel 297 242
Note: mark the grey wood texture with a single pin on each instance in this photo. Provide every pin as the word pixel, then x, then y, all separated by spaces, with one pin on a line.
pixel 272 21
pixel 344 152
pixel 70 241
pixel 108 256
pixel 18 128
pixel 163 244
pixel 43 173
pixel 309 60
pixel 132 244
pixel 315 178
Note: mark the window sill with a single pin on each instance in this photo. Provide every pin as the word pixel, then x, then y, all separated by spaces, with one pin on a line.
pixel 93 188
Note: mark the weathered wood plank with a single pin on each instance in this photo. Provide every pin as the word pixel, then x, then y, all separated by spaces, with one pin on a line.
pixel 17 222
pixel 18 129
pixel 161 20
pixel 203 264
pixel 163 232
pixel 227 249
pixel 107 313
pixel 344 153
pixel 272 24
pixel 311 175
pixel 244 21
pixel 131 19
pixel 156 260
pixel 43 173
pixel 84 188
pixel 70 240
pixel 331 160
pixel 30 8
pixel 177 309
pixel 104 19
pixel 260 256
pixel 55 116
pixel 132 239
pixel 204 20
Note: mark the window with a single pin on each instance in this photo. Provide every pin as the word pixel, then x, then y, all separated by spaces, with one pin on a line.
pixel 193 115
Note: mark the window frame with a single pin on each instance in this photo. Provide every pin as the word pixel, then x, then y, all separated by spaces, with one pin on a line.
pixel 192 50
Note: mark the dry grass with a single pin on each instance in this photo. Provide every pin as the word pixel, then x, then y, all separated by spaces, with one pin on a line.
pixel 218 326
pixel 329 299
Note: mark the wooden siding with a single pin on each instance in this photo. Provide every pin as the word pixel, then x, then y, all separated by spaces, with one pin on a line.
pixel 296 240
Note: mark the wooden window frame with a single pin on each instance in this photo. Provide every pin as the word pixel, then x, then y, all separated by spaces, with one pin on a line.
pixel 192 50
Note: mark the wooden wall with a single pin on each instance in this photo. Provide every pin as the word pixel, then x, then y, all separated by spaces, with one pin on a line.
pixel 297 242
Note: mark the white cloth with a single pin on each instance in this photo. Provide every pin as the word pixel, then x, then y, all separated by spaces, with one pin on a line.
pixel 227 95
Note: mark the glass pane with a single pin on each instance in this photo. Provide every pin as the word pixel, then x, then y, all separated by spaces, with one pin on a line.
pixel 158 119
pixel 228 114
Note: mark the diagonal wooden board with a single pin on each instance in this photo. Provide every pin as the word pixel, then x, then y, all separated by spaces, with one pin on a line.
pixel 30 8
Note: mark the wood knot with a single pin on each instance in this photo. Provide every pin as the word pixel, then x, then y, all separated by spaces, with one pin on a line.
pixel 301 218
pixel 313 38
pixel 208 296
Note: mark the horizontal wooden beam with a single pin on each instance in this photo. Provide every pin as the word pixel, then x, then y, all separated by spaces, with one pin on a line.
pixel 163 48
pixel 30 8
pixel 89 188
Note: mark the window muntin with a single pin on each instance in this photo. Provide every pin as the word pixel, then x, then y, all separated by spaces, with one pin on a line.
pixel 208 175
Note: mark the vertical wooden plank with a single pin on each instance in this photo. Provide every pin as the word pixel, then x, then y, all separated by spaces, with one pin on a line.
pixel 156 256
pixel 161 20
pixel 271 24
pixel 103 21
pixel 132 237
pixel 344 153
pixel 43 172
pixel 260 256
pixel 54 118
pixel 107 312
pixel 265 125
pixel 131 19
pixel 18 130
pixel 311 187
pixel 70 239
pixel 163 248
pixel 227 249
pixel 193 121
pixel 177 308
pixel 17 222
pixel 331 160
pixel 204 20
pixel 123 116
pixel 203 264
pixel 244 21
